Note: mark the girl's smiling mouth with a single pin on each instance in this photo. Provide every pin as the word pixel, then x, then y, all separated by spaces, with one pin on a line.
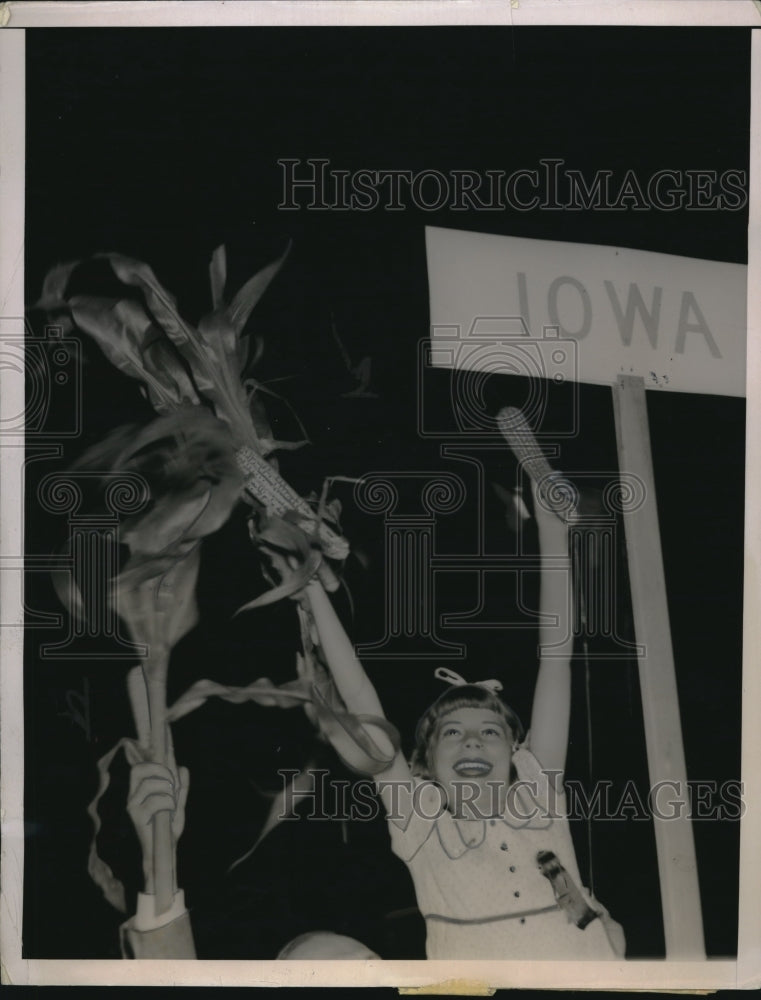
pixel 472 767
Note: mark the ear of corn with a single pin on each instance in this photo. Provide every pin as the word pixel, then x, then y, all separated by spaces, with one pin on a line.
pixel 519 436
pixel 271 490
pixel 557 493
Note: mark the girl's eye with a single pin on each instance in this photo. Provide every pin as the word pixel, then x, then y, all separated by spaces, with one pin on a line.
pixel 451 731
pixel 491 732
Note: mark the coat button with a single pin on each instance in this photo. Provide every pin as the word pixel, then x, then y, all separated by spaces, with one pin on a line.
pixel 523 920
pixel 516 893
pixel 492 822
pixel 503 847
pixel 512 868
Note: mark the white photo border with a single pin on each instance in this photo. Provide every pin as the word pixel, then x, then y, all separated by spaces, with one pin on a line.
pixel 672 976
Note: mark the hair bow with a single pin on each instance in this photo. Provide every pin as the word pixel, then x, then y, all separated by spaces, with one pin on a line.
pixel 445 674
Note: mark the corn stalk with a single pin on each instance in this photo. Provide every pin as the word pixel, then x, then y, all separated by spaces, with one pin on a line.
pixel 186 372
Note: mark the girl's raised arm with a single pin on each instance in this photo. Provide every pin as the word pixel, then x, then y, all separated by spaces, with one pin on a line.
pixel 353 684
pixel 551 710
pixel 348 674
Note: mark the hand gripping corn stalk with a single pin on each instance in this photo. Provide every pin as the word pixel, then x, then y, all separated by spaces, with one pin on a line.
pixel 211 417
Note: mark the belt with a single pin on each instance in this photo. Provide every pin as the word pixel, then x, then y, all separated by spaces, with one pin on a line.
pixel 491 920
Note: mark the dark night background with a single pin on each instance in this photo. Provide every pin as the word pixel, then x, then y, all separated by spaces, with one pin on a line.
pixel 162 144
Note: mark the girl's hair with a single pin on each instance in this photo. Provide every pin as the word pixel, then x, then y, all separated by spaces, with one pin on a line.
pixel 462 696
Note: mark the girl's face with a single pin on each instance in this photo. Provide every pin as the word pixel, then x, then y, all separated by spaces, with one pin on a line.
pixel 471 757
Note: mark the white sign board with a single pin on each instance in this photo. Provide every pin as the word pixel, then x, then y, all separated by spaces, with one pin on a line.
pixel 498 302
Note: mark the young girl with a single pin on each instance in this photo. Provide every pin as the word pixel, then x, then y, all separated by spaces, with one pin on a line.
pixel 478 815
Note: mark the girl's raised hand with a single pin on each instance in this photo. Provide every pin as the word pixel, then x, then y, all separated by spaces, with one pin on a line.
pixel 556 499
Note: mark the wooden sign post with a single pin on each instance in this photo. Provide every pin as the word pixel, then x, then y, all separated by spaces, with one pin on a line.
pixel 675 846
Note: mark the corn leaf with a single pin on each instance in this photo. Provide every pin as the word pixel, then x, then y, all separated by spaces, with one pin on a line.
pixel 250 293
pixel 160 302
pixel 218 276
pixel 178 449
pixel 159 605
pixel 174 453
pixel 283 537
pixel 349 733
pixel 54 286
pixel 253 388
pixel 261 691
pixel 299 787
pixel 164 363
pixel 288 588
pixel 188 463
pixel 204 359
pixel 171 520
pixel 269 444
pixel 222 327
pixel 127 336
pixel 142 342
pixel 130 340
pixel 99 871
pixel 195 481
